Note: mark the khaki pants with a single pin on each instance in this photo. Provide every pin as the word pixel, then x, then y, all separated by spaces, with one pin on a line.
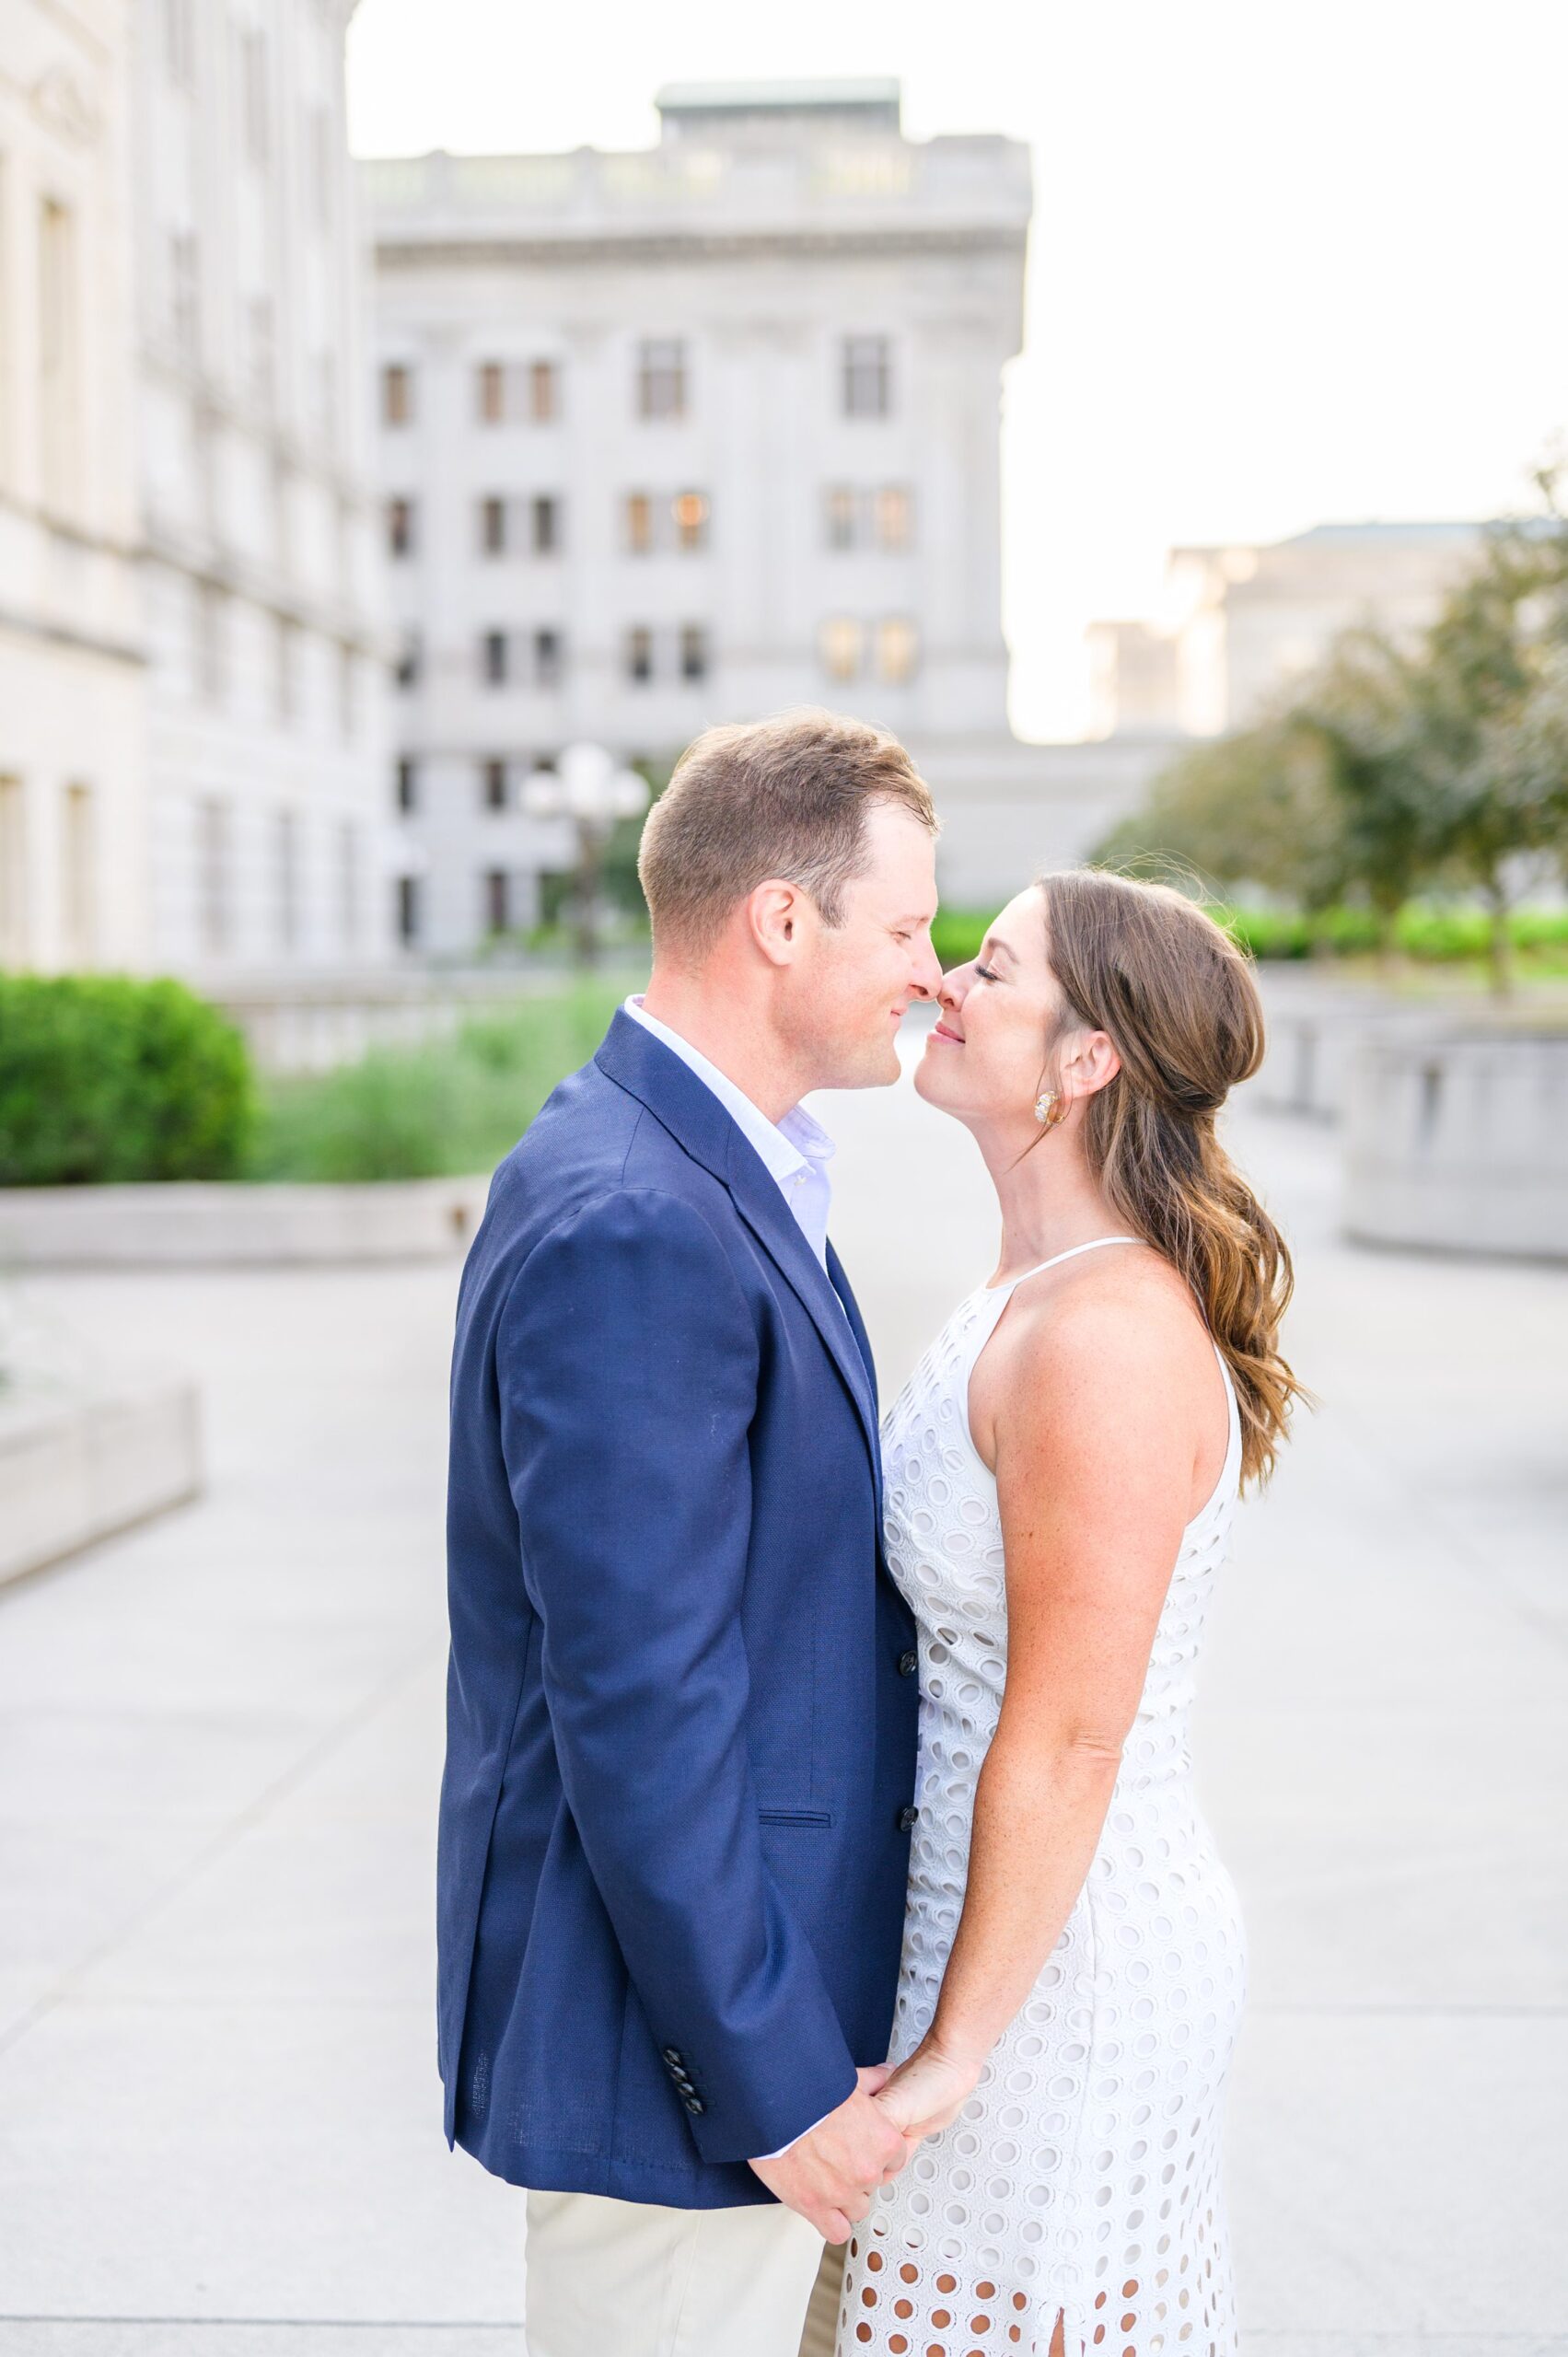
pixel 822 2314
pixel 633 2278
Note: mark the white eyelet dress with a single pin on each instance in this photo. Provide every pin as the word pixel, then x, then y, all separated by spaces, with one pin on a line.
pixel 1083 2176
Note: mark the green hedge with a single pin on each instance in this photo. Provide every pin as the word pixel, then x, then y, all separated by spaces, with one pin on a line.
pixel 444 1110
pixel 1424 929
pixel 104 1079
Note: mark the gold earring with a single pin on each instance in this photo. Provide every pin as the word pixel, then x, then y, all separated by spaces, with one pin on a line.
pixel 1046 1103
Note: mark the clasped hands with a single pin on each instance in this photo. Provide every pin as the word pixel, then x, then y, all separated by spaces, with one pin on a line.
pixel 830 2176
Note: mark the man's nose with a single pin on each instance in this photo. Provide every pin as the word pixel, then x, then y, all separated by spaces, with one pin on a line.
pixel 928 983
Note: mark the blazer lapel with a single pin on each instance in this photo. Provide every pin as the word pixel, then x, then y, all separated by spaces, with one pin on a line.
pixel 757 1198
pixel 638 1062
pixel 845 1292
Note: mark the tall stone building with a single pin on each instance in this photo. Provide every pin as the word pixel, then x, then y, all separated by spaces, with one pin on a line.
pixel 74 876
pixel 260 570
pixel 193 771
pixel 687 434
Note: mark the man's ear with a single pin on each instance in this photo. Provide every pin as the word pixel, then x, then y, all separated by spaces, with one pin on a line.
pixel 775 913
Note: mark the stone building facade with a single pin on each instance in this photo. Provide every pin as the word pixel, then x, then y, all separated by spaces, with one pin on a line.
pixel 261 574
pixel 688 434
pixel 192 653
pixel 74 874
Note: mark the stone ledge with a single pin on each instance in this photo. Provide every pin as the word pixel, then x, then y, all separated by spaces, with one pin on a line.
pixel 76 1467
pixel 199 1225
pixel 1460 1145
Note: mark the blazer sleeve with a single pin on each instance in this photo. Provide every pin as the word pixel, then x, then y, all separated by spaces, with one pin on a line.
pixel 628 1367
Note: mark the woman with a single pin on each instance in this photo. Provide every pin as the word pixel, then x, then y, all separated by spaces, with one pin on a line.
pixel 1062 1469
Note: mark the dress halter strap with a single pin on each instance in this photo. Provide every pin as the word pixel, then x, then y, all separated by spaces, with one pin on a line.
pixel 1092 1246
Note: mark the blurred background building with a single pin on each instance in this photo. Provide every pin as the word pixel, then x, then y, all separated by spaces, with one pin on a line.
pixel 689 435
pixel 266 759
pixel 192 773
pixel 73 876
pixel 1241 624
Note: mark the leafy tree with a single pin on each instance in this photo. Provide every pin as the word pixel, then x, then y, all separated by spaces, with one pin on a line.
pixel 1489 721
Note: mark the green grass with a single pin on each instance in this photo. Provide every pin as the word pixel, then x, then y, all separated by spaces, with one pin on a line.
pixel 455 1105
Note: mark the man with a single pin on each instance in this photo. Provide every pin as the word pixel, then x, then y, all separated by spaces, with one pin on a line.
pixel 681 1713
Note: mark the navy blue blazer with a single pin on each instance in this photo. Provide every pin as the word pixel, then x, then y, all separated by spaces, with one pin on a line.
pixel 681 1703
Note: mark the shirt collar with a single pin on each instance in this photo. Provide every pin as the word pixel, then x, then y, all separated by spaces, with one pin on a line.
pixel 795 1143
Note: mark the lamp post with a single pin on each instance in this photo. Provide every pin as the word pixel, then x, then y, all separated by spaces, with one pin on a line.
pixel 589 787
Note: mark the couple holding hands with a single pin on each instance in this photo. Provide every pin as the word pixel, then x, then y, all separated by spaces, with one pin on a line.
pixel 821 1881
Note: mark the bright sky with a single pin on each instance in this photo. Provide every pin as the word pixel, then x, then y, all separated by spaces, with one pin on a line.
pixel 1291 263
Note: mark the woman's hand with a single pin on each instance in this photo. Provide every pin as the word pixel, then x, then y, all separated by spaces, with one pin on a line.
pixel 930 2089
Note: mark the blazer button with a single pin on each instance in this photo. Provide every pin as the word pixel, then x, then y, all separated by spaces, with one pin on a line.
pixel 906 1819
pixel 908 1663
pixel 694 2104
pixel 673 2056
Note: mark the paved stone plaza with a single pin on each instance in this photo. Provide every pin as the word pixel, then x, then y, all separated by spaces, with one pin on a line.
pixel 222 1738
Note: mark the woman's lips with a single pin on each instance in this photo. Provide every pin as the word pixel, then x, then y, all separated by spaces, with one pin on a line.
pixel 940 1031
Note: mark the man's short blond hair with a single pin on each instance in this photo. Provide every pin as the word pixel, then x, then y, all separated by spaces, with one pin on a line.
pixel 787 797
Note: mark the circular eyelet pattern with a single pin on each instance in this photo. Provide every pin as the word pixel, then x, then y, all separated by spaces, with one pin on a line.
pixel 1082 2178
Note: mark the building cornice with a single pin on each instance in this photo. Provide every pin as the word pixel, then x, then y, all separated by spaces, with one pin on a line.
pixel 473 250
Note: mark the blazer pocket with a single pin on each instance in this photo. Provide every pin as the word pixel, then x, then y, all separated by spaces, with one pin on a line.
pixel 796 1816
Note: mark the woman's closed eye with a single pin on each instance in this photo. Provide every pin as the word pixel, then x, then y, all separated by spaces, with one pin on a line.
pixel 986 973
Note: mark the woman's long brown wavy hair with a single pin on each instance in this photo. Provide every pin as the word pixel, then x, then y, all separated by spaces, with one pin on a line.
pixel 1178 999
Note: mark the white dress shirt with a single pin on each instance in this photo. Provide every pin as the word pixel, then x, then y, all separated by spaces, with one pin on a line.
pixel 796 1152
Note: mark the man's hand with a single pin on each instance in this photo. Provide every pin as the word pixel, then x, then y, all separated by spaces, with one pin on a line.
pixel 830 2175
pixel 923 2094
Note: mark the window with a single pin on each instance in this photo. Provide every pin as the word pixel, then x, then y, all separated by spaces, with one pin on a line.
pixel 639 657
pixel 78 878
pixel 212 910
pixel 497 900
pixel 13 874
pixel 397 394
pixel 866 379
pixel 492 659
pixel 841 639
pixel 545 524
pixel 841 509
pixel 261 333
pixel 690 510
pixel 408 784
pixel 179 41
pixel 505 392
pixel 348 883
pixel 322 158
pixel 493 779
pixel 639 521
pixel 184 293
pixel 286 675
pixel 547 658
pixel 895 517
pixel 399 527
pixel 694 651
pixel 661 378
pixel 408 911
pixel 212 642
pixel 895 650
pixel 348 692
pixel 493 526
pixel 286 878
pixel 407 669
pixel 58 349
pixel 253 92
